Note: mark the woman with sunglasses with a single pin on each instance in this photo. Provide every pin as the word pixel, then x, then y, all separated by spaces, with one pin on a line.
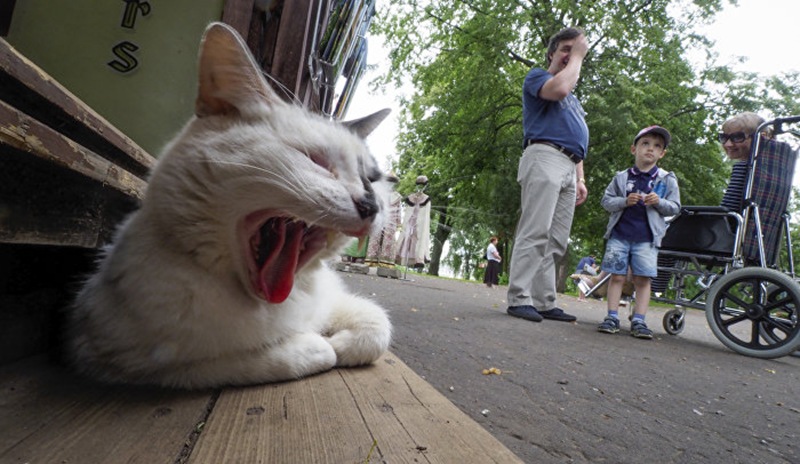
pixel 737 134
pixel 736 138
pixel 771 185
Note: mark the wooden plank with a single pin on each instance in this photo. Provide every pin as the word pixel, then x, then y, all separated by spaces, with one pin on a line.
pixel 282 44
pixel 380 413
pixel 54 191
pixel 25 86
pixel 237 14
pixel 42 203
pixel 293 45
pixel 261 37
pixel 21 132
pixel 337 416
pixel 288 422
pixel 50 416
pixel 398 402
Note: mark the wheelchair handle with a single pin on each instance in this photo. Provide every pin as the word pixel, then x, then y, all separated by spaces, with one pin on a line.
pixel 778 123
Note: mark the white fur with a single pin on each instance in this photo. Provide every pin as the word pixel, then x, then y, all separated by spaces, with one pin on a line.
pixel 173 303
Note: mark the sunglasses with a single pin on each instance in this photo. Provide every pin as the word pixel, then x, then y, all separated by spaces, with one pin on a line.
pixel 736 137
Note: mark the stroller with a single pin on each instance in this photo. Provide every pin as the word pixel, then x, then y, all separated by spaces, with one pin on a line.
pixel 737 264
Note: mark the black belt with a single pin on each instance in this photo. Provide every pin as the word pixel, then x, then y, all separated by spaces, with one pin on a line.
pixel 572 156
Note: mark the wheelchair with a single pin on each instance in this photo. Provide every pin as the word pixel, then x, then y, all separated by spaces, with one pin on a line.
pixel 737 264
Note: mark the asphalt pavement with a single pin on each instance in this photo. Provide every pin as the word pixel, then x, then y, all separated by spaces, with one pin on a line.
pixel 563 392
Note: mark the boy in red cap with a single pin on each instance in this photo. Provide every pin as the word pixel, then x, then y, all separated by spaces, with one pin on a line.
pixel 638 199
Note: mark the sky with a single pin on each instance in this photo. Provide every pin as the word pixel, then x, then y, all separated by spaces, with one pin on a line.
pixel 763 31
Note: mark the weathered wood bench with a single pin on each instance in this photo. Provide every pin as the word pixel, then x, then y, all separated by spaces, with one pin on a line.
pixel 67 177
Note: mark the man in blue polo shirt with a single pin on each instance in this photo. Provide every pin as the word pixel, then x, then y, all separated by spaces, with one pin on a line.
pixel 550 176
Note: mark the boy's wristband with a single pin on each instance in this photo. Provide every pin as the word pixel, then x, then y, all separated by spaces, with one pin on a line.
pixel 582 180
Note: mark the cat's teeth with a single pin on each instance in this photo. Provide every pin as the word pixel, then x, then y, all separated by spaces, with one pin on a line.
pixel 253 247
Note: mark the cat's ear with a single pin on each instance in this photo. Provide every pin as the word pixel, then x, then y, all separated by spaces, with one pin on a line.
pixel 230 79
pixel 364 126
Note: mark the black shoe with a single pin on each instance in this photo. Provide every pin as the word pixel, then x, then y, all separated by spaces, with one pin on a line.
pixel 639 330
pixel 610 325
pixel 557 314
pixel 526 312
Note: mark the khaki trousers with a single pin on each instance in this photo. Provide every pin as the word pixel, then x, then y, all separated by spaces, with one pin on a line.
pixel 547 180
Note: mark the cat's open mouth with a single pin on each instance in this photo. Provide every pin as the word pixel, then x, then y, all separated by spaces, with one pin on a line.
pixel 277 248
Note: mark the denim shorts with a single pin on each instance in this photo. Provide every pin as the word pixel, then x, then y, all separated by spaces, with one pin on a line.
pixel 641 256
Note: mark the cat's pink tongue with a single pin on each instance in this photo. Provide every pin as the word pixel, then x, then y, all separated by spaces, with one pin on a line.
pixel 277 275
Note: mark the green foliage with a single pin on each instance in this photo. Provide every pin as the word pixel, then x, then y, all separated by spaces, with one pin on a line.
pixel 467 59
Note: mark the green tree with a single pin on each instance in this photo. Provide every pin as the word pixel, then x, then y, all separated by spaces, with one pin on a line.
pixel 467 59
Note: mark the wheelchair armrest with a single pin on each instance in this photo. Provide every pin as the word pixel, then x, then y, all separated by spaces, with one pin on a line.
pixel 703 209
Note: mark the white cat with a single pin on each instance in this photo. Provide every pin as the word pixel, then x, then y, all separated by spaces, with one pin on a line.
pixel 219 278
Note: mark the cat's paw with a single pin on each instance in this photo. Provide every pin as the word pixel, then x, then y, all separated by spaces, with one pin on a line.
pixel 360 333
pixel 356 349
pixel 305 354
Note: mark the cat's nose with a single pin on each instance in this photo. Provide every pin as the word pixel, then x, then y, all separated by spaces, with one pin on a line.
pixel 367 205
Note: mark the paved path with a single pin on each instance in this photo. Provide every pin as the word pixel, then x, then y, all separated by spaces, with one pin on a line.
pixel 568 393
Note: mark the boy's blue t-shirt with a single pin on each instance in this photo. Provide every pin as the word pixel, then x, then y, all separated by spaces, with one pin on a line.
pixel 633 225
pixel 561 122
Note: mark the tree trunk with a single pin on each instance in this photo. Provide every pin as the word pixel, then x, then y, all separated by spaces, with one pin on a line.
pixel 562 272
pixel 439 238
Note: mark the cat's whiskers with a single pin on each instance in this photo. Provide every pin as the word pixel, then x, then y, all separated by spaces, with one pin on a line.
pixel 239 164
pixel 283 88
pixel 259 173
pixel 285 180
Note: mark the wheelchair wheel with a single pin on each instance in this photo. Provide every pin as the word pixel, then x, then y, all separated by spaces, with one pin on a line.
pixel 673 321
pixel 767 331
pixel 753 311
